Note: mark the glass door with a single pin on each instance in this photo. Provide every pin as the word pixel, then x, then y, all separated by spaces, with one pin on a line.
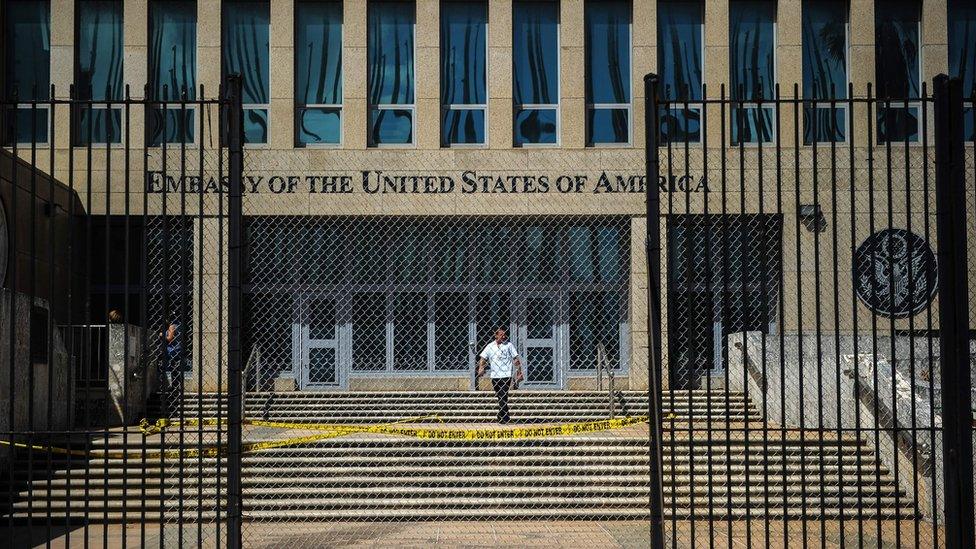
pixel 538 340
pixel 318 345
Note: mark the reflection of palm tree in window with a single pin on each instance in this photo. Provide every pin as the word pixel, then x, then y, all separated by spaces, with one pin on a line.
pixel 532 127
pixel 617 118
pixel 897 57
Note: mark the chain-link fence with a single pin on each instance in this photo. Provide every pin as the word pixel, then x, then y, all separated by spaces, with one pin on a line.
pixel 370 323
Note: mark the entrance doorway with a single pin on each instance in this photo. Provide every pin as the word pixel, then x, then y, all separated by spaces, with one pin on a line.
pixel 318 344
pixel 539 324
pixel 723 278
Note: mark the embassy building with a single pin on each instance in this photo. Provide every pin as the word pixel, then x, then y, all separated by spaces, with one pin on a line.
pixel 420 172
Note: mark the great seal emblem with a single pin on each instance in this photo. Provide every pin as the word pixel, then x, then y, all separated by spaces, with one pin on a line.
pixel 895 273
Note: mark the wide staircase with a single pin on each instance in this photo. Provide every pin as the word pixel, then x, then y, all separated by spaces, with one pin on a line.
pixel 720 461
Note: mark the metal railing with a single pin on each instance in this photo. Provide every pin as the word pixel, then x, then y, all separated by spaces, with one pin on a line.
pixel 603 366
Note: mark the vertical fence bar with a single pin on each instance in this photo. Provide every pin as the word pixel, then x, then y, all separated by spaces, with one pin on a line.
pixel 653 245
pixel 950 189
pixel 235 139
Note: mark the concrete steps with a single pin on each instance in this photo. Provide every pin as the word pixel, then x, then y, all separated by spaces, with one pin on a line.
pixel 716 473
pixel 460 407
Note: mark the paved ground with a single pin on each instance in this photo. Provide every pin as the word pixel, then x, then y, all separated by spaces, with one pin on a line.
pixel 589 535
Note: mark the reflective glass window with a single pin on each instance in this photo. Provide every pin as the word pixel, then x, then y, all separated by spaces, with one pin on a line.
pixel 898 68
pixel 824 36
pixel 409 331
pixel 390 56
pixel 27 64
pixel 594 319
pixel 246 51
pixel 962 56
pixel 535 63
pixel 608 71
pixel 98 71
pixel 451 331
pixel 752 43
pixel 172 69
pixel 679 35
pixel 318 73
pixel 464 70
pixel 368 331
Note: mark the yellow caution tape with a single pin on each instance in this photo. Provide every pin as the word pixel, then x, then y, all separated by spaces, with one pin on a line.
pixel 209 451
pixel 337 431
pixel 514 433
pixel 161 425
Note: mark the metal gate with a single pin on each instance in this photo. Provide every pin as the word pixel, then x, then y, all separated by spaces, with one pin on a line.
pixel 812 259
pixel 119 279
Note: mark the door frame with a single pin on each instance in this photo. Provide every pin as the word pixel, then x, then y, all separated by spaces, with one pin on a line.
pixel 302 343
pixel 558 339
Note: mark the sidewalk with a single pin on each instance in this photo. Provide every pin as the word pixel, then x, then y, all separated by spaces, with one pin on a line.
pixel 589 535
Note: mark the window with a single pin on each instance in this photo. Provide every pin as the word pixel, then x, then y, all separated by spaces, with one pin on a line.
pixel 594 319
pixel 824 29
pixel 410 331
pixel 608 111
pixel 245 50
pixel 752 43
pixel 464 69
pixel 98 71
pixel 962 57
pixel 369 332
pixel 451 331
pixel 172 70
pixel 898 70
pixel 535 61
pixel 27 63
pixel 390 52
pixel 679 34
pixel 318 73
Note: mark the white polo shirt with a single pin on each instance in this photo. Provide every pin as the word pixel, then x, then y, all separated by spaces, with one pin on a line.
pixel 500 359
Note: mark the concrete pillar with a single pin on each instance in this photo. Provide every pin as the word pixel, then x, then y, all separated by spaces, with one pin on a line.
pixel 644 61
pixel 500 74
pixel 208 47
pixel 861 64
pixel 716 41
pixel 135 66
pixel 789 62
pixel 282 44
pixel 354 79
pixel 572 89
pixel 427 117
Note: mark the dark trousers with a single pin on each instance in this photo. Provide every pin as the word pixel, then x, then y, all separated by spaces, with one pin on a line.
pixel 501 385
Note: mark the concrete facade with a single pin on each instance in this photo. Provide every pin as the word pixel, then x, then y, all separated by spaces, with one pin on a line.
pixel 601 180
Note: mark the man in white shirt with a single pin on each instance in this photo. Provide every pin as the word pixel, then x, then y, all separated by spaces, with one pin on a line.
pixel 502 359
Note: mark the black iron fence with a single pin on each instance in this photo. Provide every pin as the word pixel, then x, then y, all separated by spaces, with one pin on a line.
pixel 808 275
pixel 813 256
pixel 109 312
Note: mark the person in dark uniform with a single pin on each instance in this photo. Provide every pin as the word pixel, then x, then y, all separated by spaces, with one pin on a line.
pixel 504 365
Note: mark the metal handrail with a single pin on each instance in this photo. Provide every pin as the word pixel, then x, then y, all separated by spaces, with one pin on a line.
pixel 603 364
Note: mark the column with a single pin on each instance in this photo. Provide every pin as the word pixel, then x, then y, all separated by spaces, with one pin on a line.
pixel 354 74
pixel 644 51
pixel 282 43
pixel 427 125
pixel 572 89
pixel 500 74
